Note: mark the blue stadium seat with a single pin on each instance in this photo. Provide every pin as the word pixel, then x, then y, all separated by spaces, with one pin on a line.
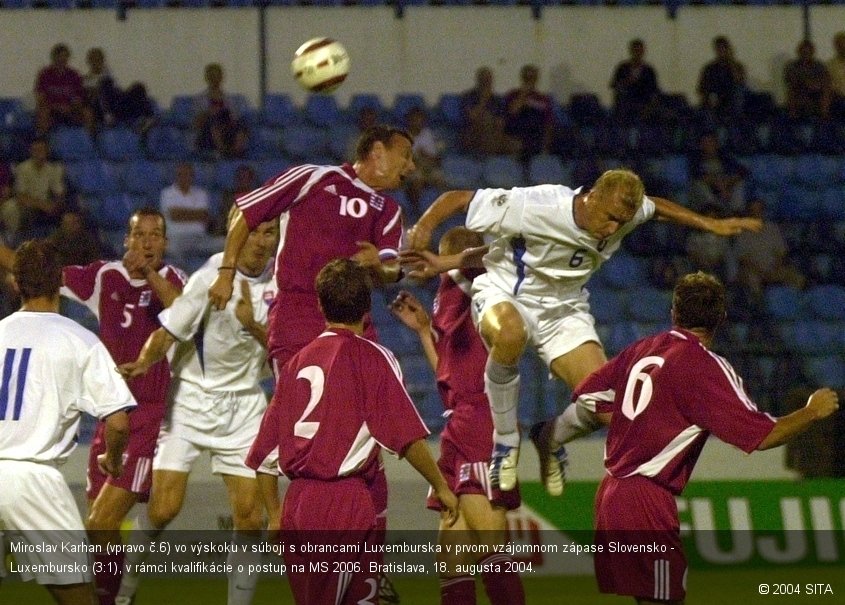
pixel 17 3
pixel 94 177
pixel 606 305
pixel 784 303
pixel 672 169
pixel 826 302
pixel 815 171
pixel 833 203
pixel 167 143
pixel 267 169
pixel 462 172
pixel 279 110
pixel 547 168
pixel 144 177
pixel 809 337
pixel 205 174
pixel 622 271
pixel 265 142
pixel 181 111
pixel 770 171
pixel 585 108
pixel 503 172
pixel 827 370
pixel 111 212
pixel 305 142
pixel 798 203
pixel 341 143
pixel 119 144
pixel 418 375
pixel 224 173
pixel 649 305
pixel 360 101
pixel 73 144
pixel 622 334
pixel 450 110
pixel 404 102
pixel 322 110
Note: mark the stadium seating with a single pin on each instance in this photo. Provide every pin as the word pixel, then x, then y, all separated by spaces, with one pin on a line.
pixel 94 177
pixel 502 172
pixel 546 168
pixel 279 110
pixel 144 177
pixel 462 172
pixel 73 144
pixel 119 144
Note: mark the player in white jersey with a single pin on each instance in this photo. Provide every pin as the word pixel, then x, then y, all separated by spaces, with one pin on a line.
pixel 216 401
pixel 53 370
pixel 546 242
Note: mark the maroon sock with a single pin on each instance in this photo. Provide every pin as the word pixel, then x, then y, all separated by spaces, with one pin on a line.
pixel 107 576
pixel 502 587
pixel 457 590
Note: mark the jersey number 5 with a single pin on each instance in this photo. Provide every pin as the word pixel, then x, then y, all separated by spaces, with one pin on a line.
pixel 13 389
pixel 316 379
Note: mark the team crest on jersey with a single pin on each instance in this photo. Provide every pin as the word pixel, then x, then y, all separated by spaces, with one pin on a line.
pixel 500 200
pixel 377 202
pixel 268 297
pixel 145 298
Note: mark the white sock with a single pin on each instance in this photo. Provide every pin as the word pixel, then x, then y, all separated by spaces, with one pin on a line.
pixel 575 421
pixel 141 536
pixel 241 582
pixel 501 383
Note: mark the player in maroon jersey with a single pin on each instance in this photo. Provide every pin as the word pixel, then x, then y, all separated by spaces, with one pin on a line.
pixel 338 402
pixel 326 212
pixel 126 296
pixel 456 353
pixel 663 396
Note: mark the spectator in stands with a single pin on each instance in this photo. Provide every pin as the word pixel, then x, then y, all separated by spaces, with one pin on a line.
pixel 762 257
pixel 218 126
pixel 721 84
pixel 59 94
pixel 808 84
pixel 110 104
pixel 529 114
pixel 483 132
pixel 634 84
pixel 76 240
pixel 710 253
pixel 245 181
pixel 836 69
pixel 39 196
pixel 427 150
pixel 185 206
pixel 718 179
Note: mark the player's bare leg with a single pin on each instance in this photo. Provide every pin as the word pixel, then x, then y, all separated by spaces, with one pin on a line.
pixel 166 498
pixel 268 488
pixel 248 520
pixel 503 331
pixel 72 594
pixel 105 516
pixel 575 421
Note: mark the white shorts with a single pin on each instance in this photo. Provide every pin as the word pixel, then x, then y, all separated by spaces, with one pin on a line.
pixel 37 509
pixel 555 326
pixel 222 423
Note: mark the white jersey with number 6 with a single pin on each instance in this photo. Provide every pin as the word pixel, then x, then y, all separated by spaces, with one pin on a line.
pixel 52 370
pixel 537 248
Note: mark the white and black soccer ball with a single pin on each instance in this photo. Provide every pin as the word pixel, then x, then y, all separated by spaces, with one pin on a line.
pixel 320 65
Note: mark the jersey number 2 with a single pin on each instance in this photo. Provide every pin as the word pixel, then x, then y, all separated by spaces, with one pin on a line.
pixel 316 379
pixel 6 390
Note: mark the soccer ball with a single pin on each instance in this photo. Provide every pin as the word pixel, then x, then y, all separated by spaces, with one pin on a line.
pixel 320 65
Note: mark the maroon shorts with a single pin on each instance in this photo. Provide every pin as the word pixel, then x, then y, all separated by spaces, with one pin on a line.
pixel 465 447
pixel 637 527
pixel 330 514
pixel 137 457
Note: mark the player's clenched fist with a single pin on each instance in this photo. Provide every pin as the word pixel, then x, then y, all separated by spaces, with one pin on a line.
pixel 823 402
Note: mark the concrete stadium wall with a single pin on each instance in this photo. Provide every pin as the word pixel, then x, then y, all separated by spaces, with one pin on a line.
pixel 432 50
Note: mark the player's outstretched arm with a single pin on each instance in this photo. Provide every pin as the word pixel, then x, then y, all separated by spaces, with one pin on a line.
pixel 448 204
pixel 423 264
pixel 820 405
pixel 418 455
pixel 152 352
pixel 383 272
pixel 116 436
pixel 670 211
pixel 411 312
pixel 221 288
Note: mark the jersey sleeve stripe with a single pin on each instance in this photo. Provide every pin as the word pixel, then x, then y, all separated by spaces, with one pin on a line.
pixel 393 221
pixel 362 445
pixel 734 381
pixel 461 281
pixel 588 401
pixel 281 182
pixel 682 440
